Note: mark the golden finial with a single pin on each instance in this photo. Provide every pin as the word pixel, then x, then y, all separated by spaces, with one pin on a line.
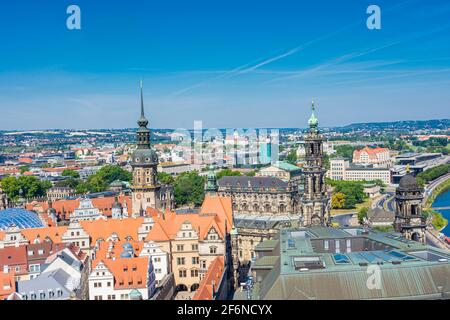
pixel 408 168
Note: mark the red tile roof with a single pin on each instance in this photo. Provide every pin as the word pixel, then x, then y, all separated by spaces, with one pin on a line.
pixel 67 207
pixel 129 273
pixel 14 256
pixel 7 284
pixel 211 281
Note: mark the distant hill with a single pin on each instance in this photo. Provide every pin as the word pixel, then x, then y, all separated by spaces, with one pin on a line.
pixel 408 125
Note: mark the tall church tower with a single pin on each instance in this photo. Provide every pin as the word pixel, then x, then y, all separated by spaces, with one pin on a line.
pixel 145 187
pixel 315 200
pixel 409 220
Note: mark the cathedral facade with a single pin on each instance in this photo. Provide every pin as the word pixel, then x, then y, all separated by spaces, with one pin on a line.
pixel 147 192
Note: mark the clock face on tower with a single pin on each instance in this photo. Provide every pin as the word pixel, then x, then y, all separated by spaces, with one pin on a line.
pixel 138 196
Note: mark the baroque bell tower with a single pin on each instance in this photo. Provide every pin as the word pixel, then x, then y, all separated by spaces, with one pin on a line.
pixel 315 200
pixel 409 220
pixel 144 161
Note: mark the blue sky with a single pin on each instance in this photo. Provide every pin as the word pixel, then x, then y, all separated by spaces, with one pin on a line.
pixel 228 63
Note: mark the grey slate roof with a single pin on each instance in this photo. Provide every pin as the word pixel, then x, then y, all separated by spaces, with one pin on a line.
pixel 255 182
pixel 380 215
pixel 53 281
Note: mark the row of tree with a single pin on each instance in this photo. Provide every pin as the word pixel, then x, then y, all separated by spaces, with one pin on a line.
pixel 96 182
pixel 432 173
pixel 25 187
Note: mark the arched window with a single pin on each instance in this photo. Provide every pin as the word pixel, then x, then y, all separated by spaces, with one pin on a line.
pixel 213 249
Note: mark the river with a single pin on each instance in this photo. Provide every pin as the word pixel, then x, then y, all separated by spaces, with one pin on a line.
pixel 443 200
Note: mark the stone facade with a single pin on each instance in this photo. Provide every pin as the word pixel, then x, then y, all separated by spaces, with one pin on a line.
pixel 260 195
pixel 408 213
pixel 57 193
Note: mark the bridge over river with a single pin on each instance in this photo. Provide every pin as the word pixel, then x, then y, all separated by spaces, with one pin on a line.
pixel 441 208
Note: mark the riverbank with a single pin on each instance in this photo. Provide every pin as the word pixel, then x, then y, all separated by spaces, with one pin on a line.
pixel 438 221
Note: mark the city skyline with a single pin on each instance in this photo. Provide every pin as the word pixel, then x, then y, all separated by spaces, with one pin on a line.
pixel 253 65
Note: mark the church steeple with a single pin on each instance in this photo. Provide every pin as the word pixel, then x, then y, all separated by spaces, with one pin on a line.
pixel 211 186
pixel 143 133
pixel 315 199
pixel 313 121
pixel 142 122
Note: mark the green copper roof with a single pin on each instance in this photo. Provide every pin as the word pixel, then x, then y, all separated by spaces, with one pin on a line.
pixel 313 121
pixel 211 182
pixel 286 166
pixel 301 266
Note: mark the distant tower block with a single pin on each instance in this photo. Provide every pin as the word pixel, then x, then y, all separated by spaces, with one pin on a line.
pixel 409 220
pixel 315 200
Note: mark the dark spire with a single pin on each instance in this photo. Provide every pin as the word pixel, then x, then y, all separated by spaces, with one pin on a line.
pixel 142 122
pixel 143 133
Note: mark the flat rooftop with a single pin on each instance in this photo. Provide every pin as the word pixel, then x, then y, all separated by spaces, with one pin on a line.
pixel 332 263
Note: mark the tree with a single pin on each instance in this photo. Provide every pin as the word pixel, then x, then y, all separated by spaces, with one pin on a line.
pixel 353 191
pixel 362 214
pixel 165 178
pixel 110 173
pixel 344 151
pixel 70 173
pixel 227 173
pixel 432 173
pixel 338 200
pixel 70 182
pixel 101 180
pixel 292 157
pixel 189 189
pixel 24 168
pixel 26 186
pixel 251 173
pixel 326 161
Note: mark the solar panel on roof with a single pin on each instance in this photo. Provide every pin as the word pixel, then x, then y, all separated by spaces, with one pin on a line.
pixel 291 243
pixel 340 258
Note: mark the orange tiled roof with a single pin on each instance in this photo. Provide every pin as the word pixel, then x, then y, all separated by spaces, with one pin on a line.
pixel 113 249
pixel 54 233
pixel 11 256
pixel 212 279
pixel 157 233
pixel 129 273
pixel 7 280
pixel 68 206
pixel 215 212
pixel 103 229
pixel 25 160
pixel 372 150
